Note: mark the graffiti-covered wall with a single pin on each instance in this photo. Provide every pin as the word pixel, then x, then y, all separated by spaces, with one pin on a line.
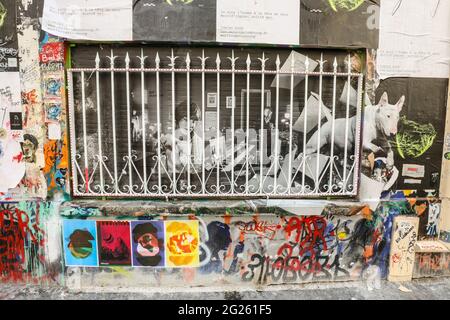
pixel 397 226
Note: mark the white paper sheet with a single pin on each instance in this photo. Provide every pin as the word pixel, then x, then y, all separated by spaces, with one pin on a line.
pixel 258 21
pixel 312 118
pixel 299 66
pixel 10 98
pixel 413 171
pixel 370 191
pixel 54 131
pixel 89 19
pixel 414 39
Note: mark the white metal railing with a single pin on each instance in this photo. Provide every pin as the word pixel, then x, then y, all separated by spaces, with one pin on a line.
pixel 233 160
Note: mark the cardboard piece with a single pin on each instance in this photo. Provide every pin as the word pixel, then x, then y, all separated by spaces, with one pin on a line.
pixel 404 238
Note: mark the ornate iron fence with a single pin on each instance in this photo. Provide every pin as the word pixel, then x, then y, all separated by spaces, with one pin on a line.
pixel 121 148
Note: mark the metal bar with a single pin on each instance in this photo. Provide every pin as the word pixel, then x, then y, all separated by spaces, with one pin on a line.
pixel 99 125
pixel 349 69
pixel 174 167
pixel 319 121
pixel 330 182
pixel 158 119
pixel 214 71
pixel 113 108
pixel 130 166
pixel 261 134
pixel 277 136
pixel 291 116
pixel 73 142
pixel 203 60
pixel 305 124
pixel 188 95
pixel 218 125
pixel 144 138
pixel 83 104
pixel 233 106
pixel 248 126
pixel 358 133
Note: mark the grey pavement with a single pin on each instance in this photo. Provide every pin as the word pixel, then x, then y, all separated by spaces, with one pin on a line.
pixel 423 289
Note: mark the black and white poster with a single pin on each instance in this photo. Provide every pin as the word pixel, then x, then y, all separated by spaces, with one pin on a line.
pixel 418 139
pixel 339 23
pixel 8 36
pixel 174 20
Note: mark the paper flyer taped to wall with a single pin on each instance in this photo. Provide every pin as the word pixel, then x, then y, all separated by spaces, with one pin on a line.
pixel 250 21
pixel 411 49
pixel 89 20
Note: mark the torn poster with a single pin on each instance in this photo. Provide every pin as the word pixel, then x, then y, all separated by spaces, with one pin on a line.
pixel 258 21
pixel 12 168
pixel 414 39
pixel 89 20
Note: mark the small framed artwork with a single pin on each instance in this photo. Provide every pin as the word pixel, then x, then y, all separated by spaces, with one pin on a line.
pixel 212 100
pixel 230 102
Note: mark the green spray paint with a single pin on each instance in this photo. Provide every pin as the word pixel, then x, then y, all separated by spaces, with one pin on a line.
pixel 345 5
pixel 414 139
pixel 3 13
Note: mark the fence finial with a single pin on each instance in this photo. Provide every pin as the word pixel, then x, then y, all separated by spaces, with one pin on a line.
pixel 157 60
pixel 188 60
pixel 112 58
pixel 97 61
pixel 127 61
pixel 233 60
pixel 349 64
pixel 172 59
pixel 263 61
pixel 218 61
pixel 142 58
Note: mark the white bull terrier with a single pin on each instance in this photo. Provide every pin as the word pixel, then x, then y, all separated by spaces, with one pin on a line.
pixel 379 121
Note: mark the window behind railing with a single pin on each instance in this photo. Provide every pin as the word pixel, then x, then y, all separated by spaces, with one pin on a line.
pixel 192 122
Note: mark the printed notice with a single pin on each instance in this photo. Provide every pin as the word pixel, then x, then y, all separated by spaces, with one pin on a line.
pixel 413 171
pixel 89 20
pixel 258 21
pixel 414 39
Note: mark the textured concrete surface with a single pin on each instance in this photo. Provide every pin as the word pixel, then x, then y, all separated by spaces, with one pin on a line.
pixel 424 289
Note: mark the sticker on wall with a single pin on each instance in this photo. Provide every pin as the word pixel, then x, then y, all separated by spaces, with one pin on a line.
pixel 80 243
pixel 182 244
pixel 114 243
pixel 53 85
pixel 52 52
pixel 15 119
pixel 413 171
pixel 148 243
pixel 53 111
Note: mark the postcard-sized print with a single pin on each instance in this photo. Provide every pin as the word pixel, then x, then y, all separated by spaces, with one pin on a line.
pixel 114 243
pixel 182 244
pixel 80 243
pixel 148 243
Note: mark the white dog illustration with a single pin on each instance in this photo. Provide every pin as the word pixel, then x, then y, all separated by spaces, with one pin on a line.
pixel 379 121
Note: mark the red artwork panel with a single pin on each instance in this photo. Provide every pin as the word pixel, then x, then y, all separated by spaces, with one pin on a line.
pixel 114 243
